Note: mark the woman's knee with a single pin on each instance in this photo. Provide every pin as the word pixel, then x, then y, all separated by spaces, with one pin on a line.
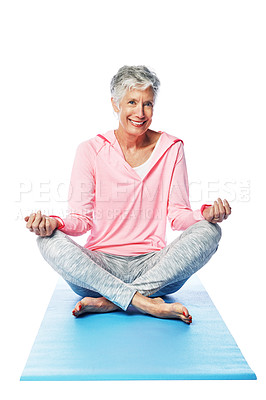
pixel 213 231
pixel 48 243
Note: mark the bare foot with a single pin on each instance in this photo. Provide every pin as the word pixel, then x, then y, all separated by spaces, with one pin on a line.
pixel 158 300
pixel 94 305
pixel 160 309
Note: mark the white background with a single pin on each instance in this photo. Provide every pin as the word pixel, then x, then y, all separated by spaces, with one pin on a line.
pixel 57 60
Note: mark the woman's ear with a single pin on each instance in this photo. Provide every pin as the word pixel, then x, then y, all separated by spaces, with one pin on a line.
pixel 116 109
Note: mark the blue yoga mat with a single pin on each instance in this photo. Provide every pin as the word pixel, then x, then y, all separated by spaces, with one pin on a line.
pixel 133 346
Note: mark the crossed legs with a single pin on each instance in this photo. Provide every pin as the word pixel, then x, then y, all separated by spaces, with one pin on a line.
pixel 162 271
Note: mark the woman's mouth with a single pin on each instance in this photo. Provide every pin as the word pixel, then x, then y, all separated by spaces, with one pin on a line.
pixel 135 123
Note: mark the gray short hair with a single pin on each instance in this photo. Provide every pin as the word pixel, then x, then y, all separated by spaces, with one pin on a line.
pixel 133 77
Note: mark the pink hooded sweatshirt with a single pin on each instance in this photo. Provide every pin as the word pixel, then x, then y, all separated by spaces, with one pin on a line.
pixel 127 214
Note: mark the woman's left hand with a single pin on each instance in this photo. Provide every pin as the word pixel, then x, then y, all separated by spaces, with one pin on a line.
pixel 218 212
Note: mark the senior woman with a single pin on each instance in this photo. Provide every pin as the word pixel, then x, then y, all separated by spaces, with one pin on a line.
pixel 124 185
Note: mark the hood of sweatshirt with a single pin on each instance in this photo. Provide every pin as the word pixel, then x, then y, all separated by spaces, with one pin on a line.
pixel 166 142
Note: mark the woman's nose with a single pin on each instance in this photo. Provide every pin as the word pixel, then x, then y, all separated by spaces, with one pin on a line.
pixel 140 110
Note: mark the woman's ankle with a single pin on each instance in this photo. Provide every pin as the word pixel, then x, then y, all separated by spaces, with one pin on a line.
pixel 143 303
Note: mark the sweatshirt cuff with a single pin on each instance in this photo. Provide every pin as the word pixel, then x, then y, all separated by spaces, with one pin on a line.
pixel 59 219
pixel 203 208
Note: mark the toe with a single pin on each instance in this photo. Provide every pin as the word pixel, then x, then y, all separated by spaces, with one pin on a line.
pixel 77 309
pixel 187 320
pixel 185 312
pixel 186 316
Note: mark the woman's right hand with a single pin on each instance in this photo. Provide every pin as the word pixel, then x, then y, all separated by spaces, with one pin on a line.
pixel 40 224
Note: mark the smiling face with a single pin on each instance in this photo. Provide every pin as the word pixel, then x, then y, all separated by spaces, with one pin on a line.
pixel 135 111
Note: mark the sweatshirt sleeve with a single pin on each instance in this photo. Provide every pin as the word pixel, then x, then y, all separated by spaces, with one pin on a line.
pixel 180 214
pixel 81 194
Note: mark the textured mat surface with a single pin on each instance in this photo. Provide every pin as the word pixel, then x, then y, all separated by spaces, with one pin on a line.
pixel 130 345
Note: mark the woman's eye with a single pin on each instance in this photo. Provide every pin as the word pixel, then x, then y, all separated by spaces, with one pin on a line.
pixel 131 102
pixel 149 104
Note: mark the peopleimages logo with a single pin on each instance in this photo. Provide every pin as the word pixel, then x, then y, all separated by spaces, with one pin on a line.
pixel 52 191
pixel 232 190
pixel 53 196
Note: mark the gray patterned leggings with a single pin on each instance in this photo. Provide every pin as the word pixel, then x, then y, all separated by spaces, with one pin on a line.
pixel 118 278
